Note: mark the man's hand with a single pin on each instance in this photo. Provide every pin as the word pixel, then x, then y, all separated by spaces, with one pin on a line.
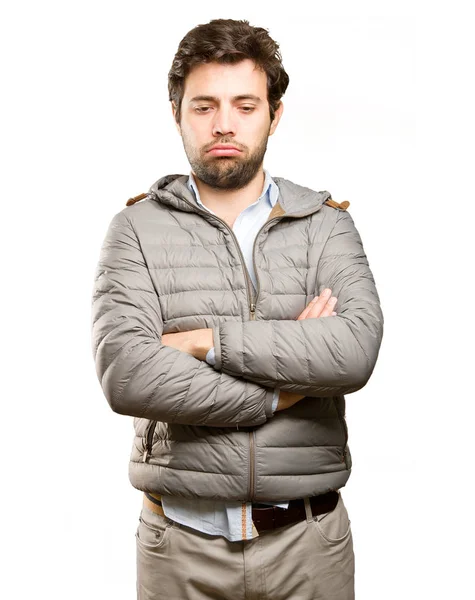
pixel 320 306
pixel 196 342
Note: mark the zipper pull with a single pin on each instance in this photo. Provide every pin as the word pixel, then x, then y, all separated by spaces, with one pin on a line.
pixel 145 454
pixel 253 311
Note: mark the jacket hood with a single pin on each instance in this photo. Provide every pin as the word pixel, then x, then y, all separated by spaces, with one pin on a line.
pixel 293 198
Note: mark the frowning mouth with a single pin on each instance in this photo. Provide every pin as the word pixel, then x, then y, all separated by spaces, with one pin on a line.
pixel 224 150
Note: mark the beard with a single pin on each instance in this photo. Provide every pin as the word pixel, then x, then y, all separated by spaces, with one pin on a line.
pixel 226 172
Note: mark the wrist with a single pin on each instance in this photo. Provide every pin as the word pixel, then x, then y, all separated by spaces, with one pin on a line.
pixel 202 344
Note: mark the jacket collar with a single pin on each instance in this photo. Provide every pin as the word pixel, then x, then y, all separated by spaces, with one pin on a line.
pixel 294 199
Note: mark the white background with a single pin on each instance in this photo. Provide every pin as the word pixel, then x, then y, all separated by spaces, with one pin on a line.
pixel 379 111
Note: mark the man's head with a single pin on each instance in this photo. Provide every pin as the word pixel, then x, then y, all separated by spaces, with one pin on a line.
pixel 225 86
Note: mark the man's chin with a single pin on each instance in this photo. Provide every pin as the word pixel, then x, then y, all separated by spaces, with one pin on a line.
pixel 220 170
pixel 222 181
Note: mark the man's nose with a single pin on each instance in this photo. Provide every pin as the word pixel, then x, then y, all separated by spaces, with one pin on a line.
pixel 223 123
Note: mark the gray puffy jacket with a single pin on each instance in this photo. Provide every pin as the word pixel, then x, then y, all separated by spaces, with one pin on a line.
pixel 167 265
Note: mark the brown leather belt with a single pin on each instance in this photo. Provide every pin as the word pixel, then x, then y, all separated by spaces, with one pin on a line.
pixel 272 517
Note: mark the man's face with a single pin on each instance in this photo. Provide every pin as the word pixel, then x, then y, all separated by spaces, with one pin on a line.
pixel 226 104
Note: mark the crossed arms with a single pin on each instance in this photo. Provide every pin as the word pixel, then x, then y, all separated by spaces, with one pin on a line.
pixel 198 343
pixel 142 377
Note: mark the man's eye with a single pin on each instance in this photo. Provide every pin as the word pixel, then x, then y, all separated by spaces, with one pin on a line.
pixel 206 109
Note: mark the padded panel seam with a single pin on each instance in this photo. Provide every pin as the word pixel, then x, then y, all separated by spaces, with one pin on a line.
pixel 180 404
pixel 164 440
pixel 114 356
pixel 244 447
pixel 140 364
pixel 217 388
pixel 198 291
pixel 237 475
pixel 307 228
pixel 357 340
pixel 175 245
pixel 172 267
pixel 307 358
pixel 274 347
pixel 200 315
pixel 327 256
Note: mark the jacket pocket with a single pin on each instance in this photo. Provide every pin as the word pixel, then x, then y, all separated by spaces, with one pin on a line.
pixel 148 440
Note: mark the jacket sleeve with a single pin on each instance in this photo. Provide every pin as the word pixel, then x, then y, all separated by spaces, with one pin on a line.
pixel 316 356
pixel 210 359
pixel 139 375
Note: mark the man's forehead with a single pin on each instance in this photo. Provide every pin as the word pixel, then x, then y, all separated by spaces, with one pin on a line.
pixel 234 81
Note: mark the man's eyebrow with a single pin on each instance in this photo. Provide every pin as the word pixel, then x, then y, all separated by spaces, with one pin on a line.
pixel 233 99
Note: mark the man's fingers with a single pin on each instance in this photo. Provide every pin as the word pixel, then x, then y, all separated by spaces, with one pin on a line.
pixel 305 312
pixel 320 306
pixel 328 308
pixel 319 312
pixel 316 305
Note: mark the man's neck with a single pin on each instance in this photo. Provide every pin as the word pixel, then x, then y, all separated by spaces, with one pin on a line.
pixel 228 204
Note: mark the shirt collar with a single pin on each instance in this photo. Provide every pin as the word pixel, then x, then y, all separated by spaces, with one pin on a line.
pixel 270 190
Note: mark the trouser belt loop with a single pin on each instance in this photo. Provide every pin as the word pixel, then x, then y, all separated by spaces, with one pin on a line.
pixel 308 509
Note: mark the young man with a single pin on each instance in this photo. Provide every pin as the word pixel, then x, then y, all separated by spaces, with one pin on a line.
pixel 215 326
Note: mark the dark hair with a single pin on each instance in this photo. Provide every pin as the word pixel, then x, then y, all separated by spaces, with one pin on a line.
pixel 228 41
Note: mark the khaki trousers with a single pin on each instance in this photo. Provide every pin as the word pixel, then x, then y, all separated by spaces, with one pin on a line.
pixel 309 560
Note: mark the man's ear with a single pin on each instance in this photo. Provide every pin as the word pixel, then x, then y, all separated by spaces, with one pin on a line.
pixel 177 125
pixel 277 115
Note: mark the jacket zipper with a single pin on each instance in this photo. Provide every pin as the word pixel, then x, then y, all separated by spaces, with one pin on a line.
pixel 246 273
pixel 252 316
pixel 252 303
pixel 148 439
pixel 252 310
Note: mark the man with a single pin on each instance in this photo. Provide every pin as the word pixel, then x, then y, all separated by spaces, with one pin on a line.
pixel 215 327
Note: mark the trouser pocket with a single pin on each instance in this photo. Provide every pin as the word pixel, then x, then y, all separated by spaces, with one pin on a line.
pixel 153 529
pixel 334 526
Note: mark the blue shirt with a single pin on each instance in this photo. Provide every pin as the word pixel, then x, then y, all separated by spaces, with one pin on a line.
pixel 217 517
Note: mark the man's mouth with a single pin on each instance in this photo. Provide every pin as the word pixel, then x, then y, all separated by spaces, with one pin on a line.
pixel 224 150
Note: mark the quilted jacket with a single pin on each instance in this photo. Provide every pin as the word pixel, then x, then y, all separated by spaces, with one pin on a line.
pixel 166 265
